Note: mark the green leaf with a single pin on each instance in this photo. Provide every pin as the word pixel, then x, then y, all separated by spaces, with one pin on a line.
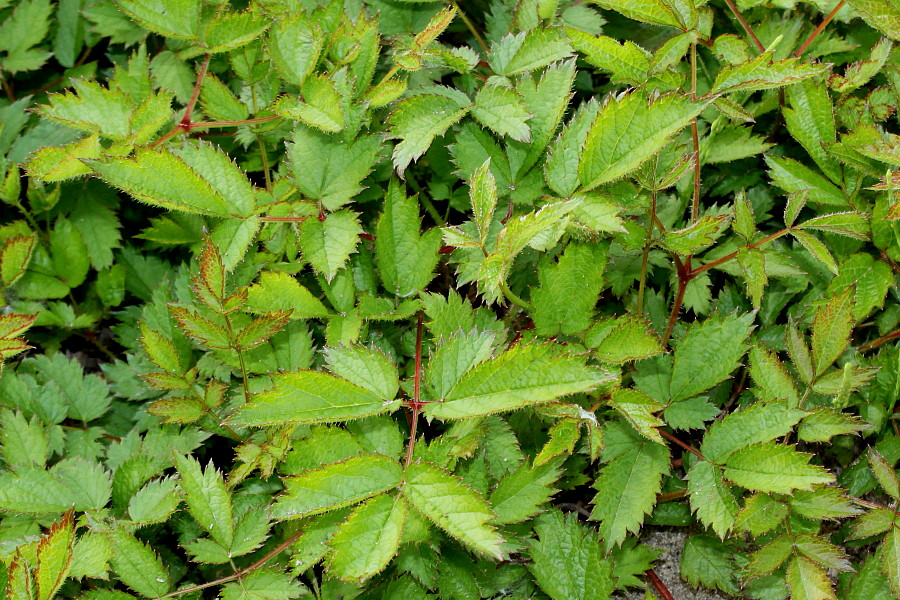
pixel 883 15
pixel 696 236
pixel 711 498
pixel 520 494
pixel 455 356
pixel 761 422
pixel 707 561
pixel 772 467
pixel 568 290
pixel 762 73
pixel 406 259
pixel 823 502
pixel 365 367
pixel 264 584
pixel 309 397
pixel 732 143
pixel 622 340
pixel 808 581
pixel 524 375
pixel 24 28
pixel 24 442
pixel 155 502
pixel 561 167
pixel 884 473
pixel 138 566
pixel 337 485
pixel 831 330
pixel 200 328
pixel 69 254
pixel 417 120
pixel 200 180
pixel 822 552
pixel 277 290
pixel 219 102
pixel 771 378
pixel 320 107
pixel 564 434
pixel 171 18
pixel 627 62
pixel 51 164
pixel 91 557
pixel 655 12
pixel 207 499
pixel 824 423
pixel 452 506
pixel 369 539
pixel 547 101
pixel 791 176
pixel 528 51
pixel 330 169
pixel 810 120
pixel 501 110
pixel 761 513
pixel 230 30
pixel 708 353
pixel 630 129
pixel 850 224
pixel 54 557
pixel 294 44
pixel 99 229
pixel 568 561
pixel 328 244
pixel 639 408
pixel 627 489
pixel 14 257
pixel 890 558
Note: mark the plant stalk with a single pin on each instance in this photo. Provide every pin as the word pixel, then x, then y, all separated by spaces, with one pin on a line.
pixel 812 37
pixel 416 404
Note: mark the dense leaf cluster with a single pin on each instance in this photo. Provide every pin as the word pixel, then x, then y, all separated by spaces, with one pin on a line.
pixel 389 299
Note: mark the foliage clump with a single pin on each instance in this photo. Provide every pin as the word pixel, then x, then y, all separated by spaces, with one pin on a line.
pixel 392 299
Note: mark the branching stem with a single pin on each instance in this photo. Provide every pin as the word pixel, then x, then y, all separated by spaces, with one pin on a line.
pixel 745 25
pixel 812 37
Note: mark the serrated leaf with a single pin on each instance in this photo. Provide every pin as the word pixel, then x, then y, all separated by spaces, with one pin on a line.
pixel 561 167
pixel 564 434
pixel 568 290
pixel 883 15
pixel 708 353
pixel 520 494
pixel 773 467
pixel 823 503
pixel 259 330
pixel 810 120
pixel 628 130
pixel 831 330
pixel 707 561
pixel 638 408
pixel 15 255
pixel 54 557
pixel 365 367
pixel 501 110
pixel 309 397
pixel 329 169
pixel 320 106
pixel 890 558
pixel 771 378
pixel 822 552
pixel 199 180
pixel 91 557
pixel 369 539
pixel 761 513
pixel 23 442
pixel 277 290
pixel 808 581
pixel 294 44
pixel 406 259
pixel 622 340
pixel 627 489
pixel 138 566
pixel 626 61
pixel 654 12
pixel 824 423
pixel 417 120
pixel 761 422
pixel 337 485
pixel 568 561
pixel 452 506
pixel 762 73
pixel 884 473
pixel 454 357
pixel 200 328
pixel 154 502
pixel 328 244
pixel 696 236
pixel 711 498
pixel 850 224
pixel 264 584
pixel 207 499
pixel 230 30
pixel 791 176
pixel 527 51
pixel 171 18
pixel 524 375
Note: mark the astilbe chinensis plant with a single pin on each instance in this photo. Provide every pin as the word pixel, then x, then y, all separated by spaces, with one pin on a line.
pixel 388 299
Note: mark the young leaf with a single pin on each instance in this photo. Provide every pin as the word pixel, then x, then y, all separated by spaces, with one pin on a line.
pixel 762 73
pixel 369 539
pixel 138 566
pixel 561 168
pixel 309 397
pixel 320 107
pixel 810 120
pixel 772 467
pixel 890 558
pixel 884 473
pixel 54 557
pixel 523 375
pixel 568 290
pixel 711 498
pixel 638 408
pixel 207 499
pixel 154 502
pixel 568 561
pixel 452 506
pixel 417 120
pixel 630 129
pixel 831 330
pixel 337 485
pixel 200 328
pixel 627 489
pixel 520 494
pixel 328 244
pixel 501 110
pixel 277 290
pixel 771 378
pixel 761 513
pixel 171 18
pixel 528 51
pixel 294 44
pixel 622 340
pixel 406 259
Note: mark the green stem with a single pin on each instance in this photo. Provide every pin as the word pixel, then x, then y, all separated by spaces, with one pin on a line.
pixel 232 339
pixel 417 403
pixel 508 293
pixel 646 257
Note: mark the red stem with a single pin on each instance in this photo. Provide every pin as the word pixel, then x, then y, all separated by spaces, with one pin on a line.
pixel 745 25
pixel 416 403
pixel 672 438
pixel 232 123
pixel 658 585
pixel 731 256
pixel 186 120
pixel 684 277
pixel 819 29
pixel 282 219
pixel 880 341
